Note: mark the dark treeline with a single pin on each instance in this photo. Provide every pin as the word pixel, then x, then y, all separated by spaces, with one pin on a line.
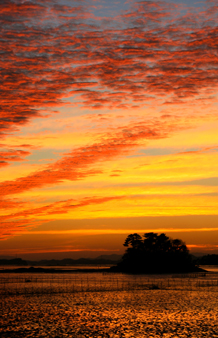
pixel 155 253
pixel 208 260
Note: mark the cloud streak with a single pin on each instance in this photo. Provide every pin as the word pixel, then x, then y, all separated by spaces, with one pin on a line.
pixel 9 226
pixel 78 164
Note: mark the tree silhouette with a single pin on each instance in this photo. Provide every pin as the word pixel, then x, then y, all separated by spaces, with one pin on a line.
pixel 155 253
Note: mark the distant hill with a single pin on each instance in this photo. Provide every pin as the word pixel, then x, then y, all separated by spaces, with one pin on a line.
pixel 198 254
pixel 7 257
pixel 101 260
pixel 14 261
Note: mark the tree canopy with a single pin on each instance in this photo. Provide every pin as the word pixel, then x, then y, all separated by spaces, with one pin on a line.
pixel 153 253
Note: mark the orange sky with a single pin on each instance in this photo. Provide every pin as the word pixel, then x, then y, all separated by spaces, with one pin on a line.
pixel 108 125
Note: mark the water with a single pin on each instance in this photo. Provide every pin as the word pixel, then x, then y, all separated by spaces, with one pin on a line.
pixel 211 268
pixel 98 305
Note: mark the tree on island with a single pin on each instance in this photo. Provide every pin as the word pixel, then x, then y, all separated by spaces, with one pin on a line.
pixel 155 253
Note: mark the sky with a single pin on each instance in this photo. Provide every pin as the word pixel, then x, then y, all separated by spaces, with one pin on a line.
pixel 108 125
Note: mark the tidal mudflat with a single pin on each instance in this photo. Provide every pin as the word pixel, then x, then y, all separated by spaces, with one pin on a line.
pixel 109 306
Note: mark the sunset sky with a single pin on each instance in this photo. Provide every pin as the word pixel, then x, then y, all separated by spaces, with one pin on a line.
pixel 109 125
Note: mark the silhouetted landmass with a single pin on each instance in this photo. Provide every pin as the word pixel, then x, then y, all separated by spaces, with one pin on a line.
pixel 113 257
pixel 101 260
pixel 208 260
pixel 155 253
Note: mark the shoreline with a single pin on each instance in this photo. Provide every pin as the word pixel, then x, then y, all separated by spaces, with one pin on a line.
pixel 46 270
pixel 91 270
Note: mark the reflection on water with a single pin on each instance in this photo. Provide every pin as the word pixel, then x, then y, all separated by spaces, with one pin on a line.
pixel 108 305
pixel 212 268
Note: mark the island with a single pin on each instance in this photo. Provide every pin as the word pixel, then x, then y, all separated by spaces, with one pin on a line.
pixel 153 253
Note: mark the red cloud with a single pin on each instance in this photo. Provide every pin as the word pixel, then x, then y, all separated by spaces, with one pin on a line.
pixel 12 155
pixel 10 228
pixel 50 51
